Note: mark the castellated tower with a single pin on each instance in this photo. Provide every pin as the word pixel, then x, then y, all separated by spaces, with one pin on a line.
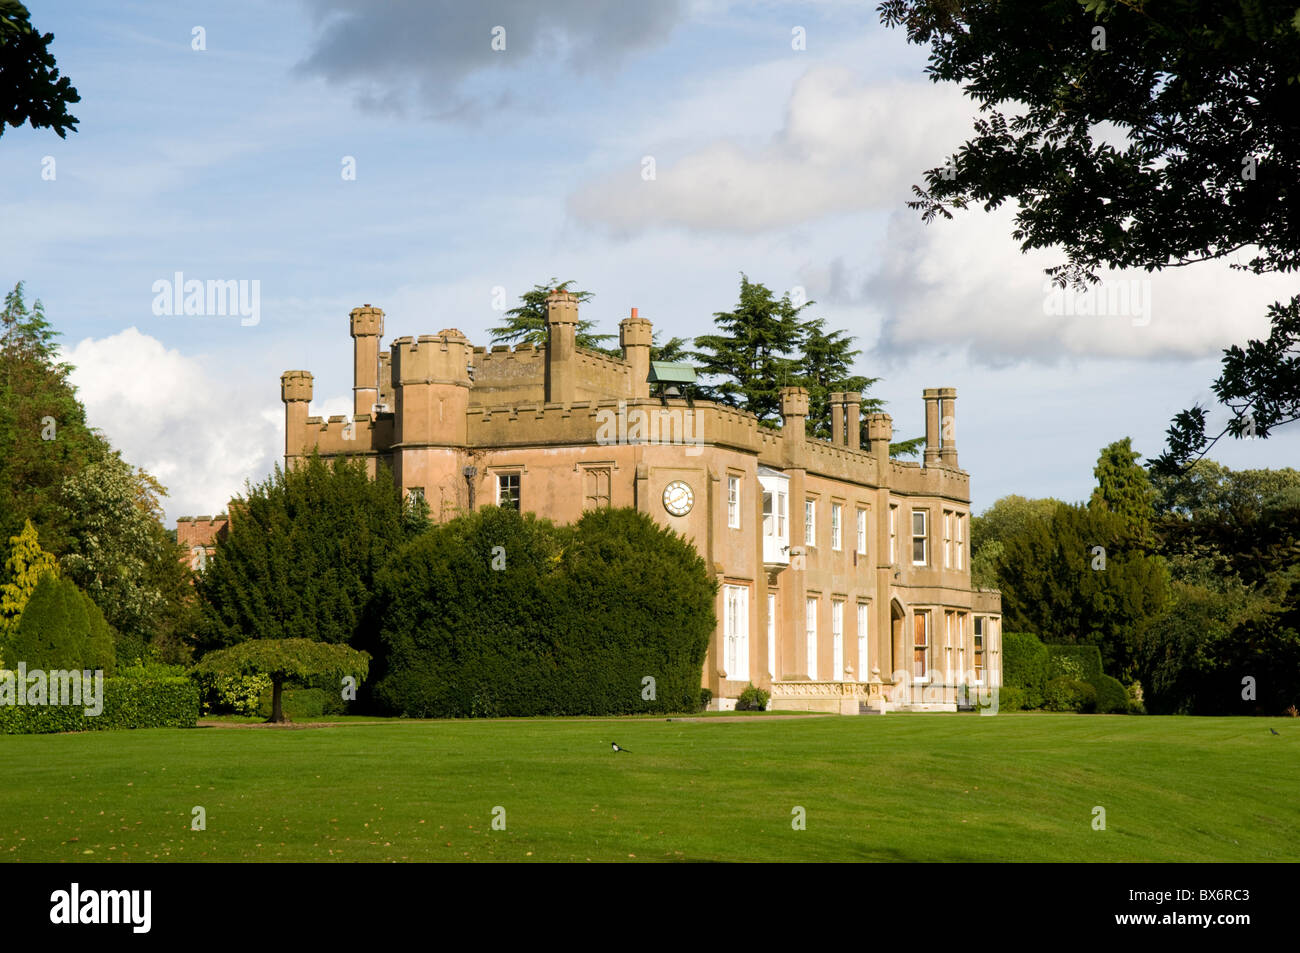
pixel 561 348
pixel 635 336
pixel 295 391
pixel 367 329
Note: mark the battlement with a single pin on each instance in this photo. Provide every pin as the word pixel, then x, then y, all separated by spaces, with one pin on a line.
pixel 367 321
pixel 431 358
pixel 295 386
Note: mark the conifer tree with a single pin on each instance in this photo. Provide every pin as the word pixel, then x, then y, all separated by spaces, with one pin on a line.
pixel 26 566
pixel 526 324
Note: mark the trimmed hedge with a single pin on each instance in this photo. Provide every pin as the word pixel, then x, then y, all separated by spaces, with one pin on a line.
pixel 1111 696
pixel 499 613
pixel 1011 698
pixel 1025 667
pixel 171 702
pixel 61 628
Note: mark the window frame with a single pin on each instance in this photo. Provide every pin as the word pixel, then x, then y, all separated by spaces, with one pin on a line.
pixel 810 523
pixel 518 477
pixel 923 537
pixel 810 635
pixel 862 531
pixel 733 502
pixel 837 526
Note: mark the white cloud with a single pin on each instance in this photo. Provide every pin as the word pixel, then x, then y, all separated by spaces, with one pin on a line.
pixel 964 284
pixel 845 146
pixel 187 424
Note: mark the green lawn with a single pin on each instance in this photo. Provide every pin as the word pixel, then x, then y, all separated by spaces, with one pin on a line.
pixel 901 787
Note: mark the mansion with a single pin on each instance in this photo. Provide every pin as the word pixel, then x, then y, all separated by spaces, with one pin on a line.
pixel 843 575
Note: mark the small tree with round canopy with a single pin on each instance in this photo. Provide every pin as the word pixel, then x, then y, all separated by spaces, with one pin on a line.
pixel 284 660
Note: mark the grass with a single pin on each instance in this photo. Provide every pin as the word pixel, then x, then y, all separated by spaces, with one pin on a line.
pixel 897 788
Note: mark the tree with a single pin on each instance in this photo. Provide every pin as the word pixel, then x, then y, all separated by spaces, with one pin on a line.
pixel 1124 488
pixel 756 353
pixel 1206 96
pixel 43 426
pixel 1078 578
pixel 61 629
pixel 31 89
pixel 676 350
pixel 526 324
pixel 119 552
pixel 302 553
pixel 1009 517
pixel 283 660
pixel 26 566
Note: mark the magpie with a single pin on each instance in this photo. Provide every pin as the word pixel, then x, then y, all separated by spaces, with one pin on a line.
pixel 614 745
pixel 1271 729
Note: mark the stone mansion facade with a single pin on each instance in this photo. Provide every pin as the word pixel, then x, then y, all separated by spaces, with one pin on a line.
pixel 844 575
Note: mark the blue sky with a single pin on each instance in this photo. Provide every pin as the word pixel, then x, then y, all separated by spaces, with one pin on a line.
pixel 479 169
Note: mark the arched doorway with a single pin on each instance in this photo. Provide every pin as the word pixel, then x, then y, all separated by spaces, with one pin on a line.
pixel 898 645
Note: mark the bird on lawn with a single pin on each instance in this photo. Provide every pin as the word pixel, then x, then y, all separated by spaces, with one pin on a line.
pixel 1274 730
pixel 614 745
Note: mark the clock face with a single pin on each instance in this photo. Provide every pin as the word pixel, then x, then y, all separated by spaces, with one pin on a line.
pixel 678 498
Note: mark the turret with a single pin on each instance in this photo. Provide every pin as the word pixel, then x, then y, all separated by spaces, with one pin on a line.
pixel 635 335
pixel 367 329
pixel 295 392
pixel 431 385
pixel 561 347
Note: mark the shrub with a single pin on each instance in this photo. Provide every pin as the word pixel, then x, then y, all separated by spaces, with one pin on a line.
pixel 128 703
pixel 232 694
pixel 1136 700
pixel 706 696
pixel 752 699
pixel 1024 666
pixel 1112 699
pixel 52 629
pixel 1011 698
pixel 101 651
pixel 1069 694
pixel 571 624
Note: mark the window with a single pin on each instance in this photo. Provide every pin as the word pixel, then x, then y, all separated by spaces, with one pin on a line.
pixel 198 558
pixel 737 632
pixel 960 552
pixel 810 628
pixel 595 491
pixel 771 634
pixel 921 647
pixel 508 490
pixel 893 535
pixel 774 504
pixel 979 650
pixel 919 555
pixel 733 502
pixel 864 612
pixel 862 532
pixel 837 639
pixel 810 522
pixel 961 648
pixel 949 627
pixel 947 539
pixel 836 518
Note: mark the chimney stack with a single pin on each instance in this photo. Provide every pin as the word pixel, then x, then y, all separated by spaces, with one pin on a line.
pixel 931 396
pixel 853 419
pixel 837 417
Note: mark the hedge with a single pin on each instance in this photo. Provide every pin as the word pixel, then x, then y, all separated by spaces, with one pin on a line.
pixel 500 613
pixel 1024 666
pixel 171 702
